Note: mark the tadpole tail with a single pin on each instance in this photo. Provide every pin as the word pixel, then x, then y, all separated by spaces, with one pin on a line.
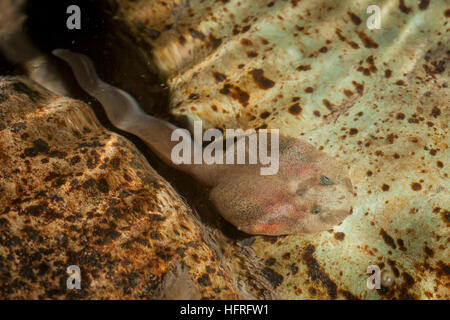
pixel 120 107
pixel 125 113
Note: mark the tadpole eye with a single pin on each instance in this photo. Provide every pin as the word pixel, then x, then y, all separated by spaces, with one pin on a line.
pixel 325 181
pixel 316 209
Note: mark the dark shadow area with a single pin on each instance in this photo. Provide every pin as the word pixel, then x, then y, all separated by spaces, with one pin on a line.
pixel 7 68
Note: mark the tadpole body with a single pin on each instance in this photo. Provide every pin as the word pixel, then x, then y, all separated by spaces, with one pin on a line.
pixel 311 191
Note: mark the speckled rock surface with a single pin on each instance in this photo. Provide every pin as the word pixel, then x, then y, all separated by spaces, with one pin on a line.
pixel 73 193
pixel 377 100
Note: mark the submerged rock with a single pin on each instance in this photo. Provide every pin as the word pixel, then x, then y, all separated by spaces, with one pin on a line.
pixel 377 100
pixel 74 193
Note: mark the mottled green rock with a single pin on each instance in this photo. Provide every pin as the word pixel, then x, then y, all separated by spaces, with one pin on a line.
pixel 74 193
pixel 377 100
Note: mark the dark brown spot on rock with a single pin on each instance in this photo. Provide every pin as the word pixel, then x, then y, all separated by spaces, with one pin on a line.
pixel 236 93
pixel 328 104
pixel 353 44
pixel 204 280
pixel 194 96
pixel 366 40
pixel 17 127
pixel 252 54
pixel 196 34
pixel 436 112
pixel 57 154
pixel 270 262
pixel 355 19
pixel 265 115
pixel 36 210
pixel 365 71
pixel 293 267
pixel 339 235
pixel 394 268
pixel 286 256
pixel 219 76
pixel 353 131
pixel 39 146
pixel 74 160
pixel 339 34
pixel 401 245
pixel 348 93
pixel 182 40
pixel 388 239
pixel 428 251
pixel 115 162
pixel 214 42
pixel 295 109
pixel 408 279
pixel 263 82
pixel 316 273
pixel 348 295
pixel 403 8
pixel 400 116
pixel 210 269
pixel 272 276
pixel 391 138
pixel 245 29
pixel 385 187
pixel 246 42
pixel 309 90
pixel 152 33
pixel 102 185
pixel 88 183
pixel 304 67
pixel 387 73
pixel 446 216
pixel 416 186
pixel 359 87
pixel 263 126
pixel 423 5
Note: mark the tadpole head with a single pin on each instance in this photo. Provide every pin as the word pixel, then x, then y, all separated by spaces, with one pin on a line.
pixel 319 186
pixel 311 193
